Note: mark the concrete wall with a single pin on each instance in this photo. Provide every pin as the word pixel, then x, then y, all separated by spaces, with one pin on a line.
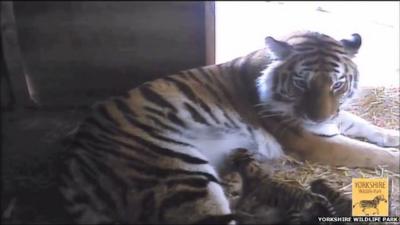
pixel 79 52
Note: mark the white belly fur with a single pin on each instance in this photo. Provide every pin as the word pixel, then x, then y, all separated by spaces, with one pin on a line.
pixel 216 146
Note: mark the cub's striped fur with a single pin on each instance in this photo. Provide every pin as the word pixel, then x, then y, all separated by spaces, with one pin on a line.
pixel 340 202
pixel 267 200
pixel 154 155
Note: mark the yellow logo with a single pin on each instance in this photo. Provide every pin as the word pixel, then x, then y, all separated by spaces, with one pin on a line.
pixel 370 196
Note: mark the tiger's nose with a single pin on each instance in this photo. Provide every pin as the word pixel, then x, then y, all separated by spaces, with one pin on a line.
pixel 313 118
pixel 318 118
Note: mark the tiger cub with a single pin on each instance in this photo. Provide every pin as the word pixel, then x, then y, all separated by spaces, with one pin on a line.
pixel 267 200
pixel 340 202
pixel 154 154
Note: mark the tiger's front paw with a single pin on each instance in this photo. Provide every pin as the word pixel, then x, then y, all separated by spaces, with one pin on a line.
pixel 388 138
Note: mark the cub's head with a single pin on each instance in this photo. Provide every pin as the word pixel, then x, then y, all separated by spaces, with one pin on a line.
pixel 309 77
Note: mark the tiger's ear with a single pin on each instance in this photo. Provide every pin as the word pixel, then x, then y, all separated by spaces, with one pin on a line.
pixel 352 45
pixel 279 49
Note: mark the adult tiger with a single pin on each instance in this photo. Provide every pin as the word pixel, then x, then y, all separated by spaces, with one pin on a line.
pixel 153 155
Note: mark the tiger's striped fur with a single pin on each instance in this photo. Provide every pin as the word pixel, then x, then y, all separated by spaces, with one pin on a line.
pixel 154 155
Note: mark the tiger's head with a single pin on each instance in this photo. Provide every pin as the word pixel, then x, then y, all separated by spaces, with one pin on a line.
pixel 309 77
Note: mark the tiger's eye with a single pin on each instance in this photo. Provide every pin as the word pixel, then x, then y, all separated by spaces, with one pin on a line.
pixel 338 85
pixel 300 83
